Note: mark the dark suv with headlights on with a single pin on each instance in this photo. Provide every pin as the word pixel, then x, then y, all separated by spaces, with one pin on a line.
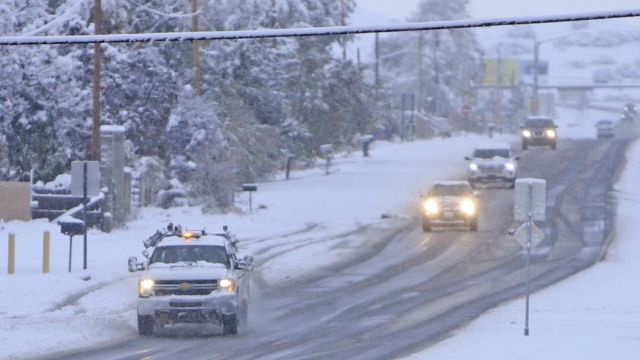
pixel 539 130
pixel 450 203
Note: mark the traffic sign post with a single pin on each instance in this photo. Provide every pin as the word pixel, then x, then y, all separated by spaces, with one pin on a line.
pixel 529 205
pixel 465 110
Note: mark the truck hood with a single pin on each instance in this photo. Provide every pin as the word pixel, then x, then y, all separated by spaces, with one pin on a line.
pixel 198 271
pixel 493 161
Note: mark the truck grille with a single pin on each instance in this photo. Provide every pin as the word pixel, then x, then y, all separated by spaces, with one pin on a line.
pixel 184 287
pixel 491 169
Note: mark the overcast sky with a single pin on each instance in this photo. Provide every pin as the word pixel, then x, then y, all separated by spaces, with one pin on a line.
pixel 400 9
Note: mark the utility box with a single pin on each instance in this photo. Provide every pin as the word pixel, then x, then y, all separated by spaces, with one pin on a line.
pixel 77 178
pixel 530 196
pixel 15 201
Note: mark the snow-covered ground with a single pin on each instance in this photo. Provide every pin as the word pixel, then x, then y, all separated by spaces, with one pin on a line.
pixel 58 311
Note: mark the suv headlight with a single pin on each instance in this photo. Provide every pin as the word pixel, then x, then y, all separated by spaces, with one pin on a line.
pixel 228 285
pixel 473 167
pixel 510 166
pixel 551 133
pixel 468 206
pixel 145 287
pixel 526 133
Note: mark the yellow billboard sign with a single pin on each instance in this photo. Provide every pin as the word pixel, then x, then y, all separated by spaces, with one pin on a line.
pixel 503 71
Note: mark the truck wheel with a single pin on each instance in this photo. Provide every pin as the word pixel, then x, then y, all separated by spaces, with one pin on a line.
pixel 145 325
pixel 525 146
pixel 230 325
pixel 473 224
pixel 553 146
pixel 426 225
pixel 512 184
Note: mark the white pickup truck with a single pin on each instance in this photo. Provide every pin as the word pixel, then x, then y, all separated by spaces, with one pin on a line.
pixel 492 163
pixel 192 277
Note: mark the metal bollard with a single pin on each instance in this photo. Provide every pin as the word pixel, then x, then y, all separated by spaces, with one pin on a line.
pixel 12 254
pixel 46 247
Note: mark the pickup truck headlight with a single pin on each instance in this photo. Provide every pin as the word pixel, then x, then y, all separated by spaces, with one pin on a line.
pixel 526 133
pixel 228 285
pixel 431 206
pixel 145 287
pixel 551 133
pixel 510 166
pixel 468 206
pixel 473 167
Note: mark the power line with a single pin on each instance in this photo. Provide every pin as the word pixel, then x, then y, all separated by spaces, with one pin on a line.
pixel 310 31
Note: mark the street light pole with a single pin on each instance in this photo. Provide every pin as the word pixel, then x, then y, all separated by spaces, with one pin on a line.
pixel 535 101
pixel 536 59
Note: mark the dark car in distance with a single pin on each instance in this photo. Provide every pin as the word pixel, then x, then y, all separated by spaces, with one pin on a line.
pixel 539 131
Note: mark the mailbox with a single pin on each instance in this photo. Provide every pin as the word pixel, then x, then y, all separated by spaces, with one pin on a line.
pixel 249 187
pixel 326 149
pixel 72 227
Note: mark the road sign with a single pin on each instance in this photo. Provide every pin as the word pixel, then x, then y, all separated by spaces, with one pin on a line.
pixel 534 201
pixel 537 235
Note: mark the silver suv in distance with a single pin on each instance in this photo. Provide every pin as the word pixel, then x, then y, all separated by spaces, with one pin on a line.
pixel 492 164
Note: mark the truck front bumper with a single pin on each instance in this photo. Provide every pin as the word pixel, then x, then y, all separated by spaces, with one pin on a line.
pixel 188 309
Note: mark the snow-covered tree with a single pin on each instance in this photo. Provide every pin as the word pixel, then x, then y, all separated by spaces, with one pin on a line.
pixel 440 67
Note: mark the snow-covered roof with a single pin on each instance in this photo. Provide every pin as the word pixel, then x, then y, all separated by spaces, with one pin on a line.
pixel 495 145
pixel 204 240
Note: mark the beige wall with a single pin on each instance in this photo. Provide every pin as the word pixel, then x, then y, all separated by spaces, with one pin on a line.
pixel 15 201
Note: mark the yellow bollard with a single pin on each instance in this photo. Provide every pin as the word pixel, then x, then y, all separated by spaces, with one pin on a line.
pixel 12 254
pixel 46 246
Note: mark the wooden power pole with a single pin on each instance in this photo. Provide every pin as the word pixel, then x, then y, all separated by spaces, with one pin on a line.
pixel 344 38
pixel 197 85
pixel 97 63
pixel 420 70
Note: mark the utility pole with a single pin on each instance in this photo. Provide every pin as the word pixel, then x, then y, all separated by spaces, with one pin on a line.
pixel 535 105
pixel 436 97
pixel 344 39
pixel 498 109
pixel 195 46
pixel 97 63
pixel 420 70
pixel 377 48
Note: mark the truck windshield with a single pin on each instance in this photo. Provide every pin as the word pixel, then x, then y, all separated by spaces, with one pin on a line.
pixel 190 254
pixel 539 123
pixel 491 153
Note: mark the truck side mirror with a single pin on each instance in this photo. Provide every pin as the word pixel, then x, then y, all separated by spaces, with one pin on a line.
pixel 517 158
pixel 134 265
pixel 245 263
pixel 467 158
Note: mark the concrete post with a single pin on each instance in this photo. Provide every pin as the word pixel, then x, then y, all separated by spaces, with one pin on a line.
pixel 113 172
